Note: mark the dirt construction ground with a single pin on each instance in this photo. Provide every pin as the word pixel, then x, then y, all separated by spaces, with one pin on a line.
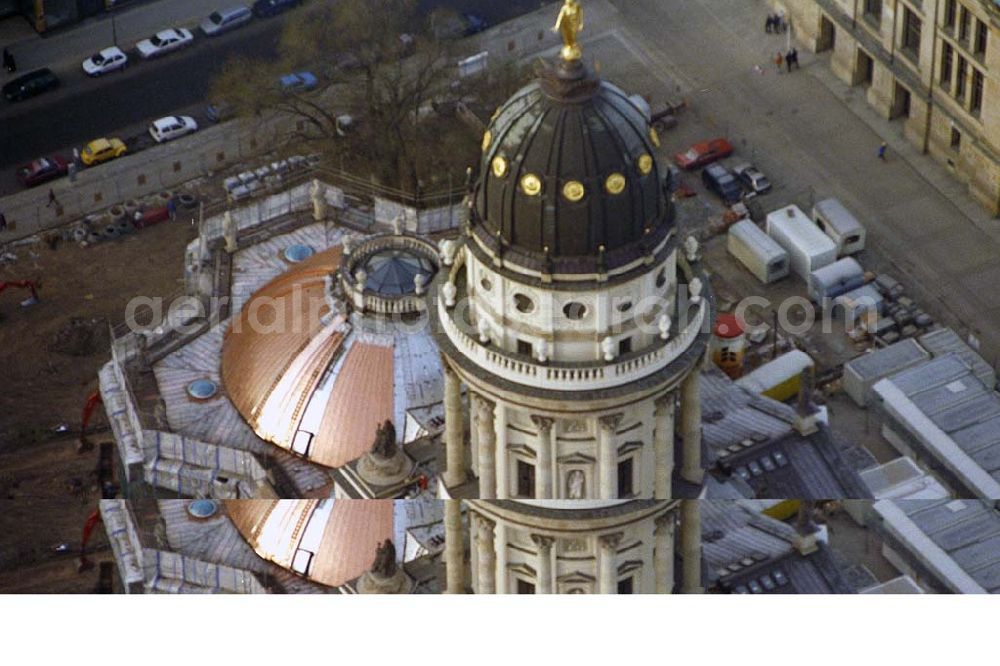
pixel 50 354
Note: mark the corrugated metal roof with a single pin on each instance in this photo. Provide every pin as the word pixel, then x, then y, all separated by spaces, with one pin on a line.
pixel 887 360
pixel 946 341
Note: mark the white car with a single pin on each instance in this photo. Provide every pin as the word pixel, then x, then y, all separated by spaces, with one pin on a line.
pixel 172 127
pixel 164 42
pixel 108 60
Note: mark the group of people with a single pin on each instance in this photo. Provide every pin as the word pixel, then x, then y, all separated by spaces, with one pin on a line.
pixel 788 59
pixel 776 23
pixel 8 62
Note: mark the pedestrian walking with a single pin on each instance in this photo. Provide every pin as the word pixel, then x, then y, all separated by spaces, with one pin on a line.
pixel 52 199
pixel 881 150
pixel 795 58
pixel 778 60
pixel 769 24
pixel 788 61
pixel 172 209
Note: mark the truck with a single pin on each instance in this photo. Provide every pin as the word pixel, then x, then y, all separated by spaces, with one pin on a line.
pixel 757 251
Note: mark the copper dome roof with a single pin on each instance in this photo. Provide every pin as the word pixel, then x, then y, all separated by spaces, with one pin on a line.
pixel 568 170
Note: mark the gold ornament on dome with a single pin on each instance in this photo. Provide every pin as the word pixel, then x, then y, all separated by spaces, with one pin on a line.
pixel 568 25
pixel 615 184
pixel 654 136
pixel 574 190
pixel 645 164
pixel 531 185
pixel 487 140
pixel 499 167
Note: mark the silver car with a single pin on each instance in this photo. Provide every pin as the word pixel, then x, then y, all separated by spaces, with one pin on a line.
pixel 225 20
pixel 753 179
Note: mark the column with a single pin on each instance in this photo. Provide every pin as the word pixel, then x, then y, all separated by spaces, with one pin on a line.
pixel 454 433
pixel 608 457
pixel 663 446
pixel 691 546
pixel 543 445
pixel 544 545
pixel 608 560
pixel 454 546
pixel 486 556
pixel 500 467
pixel 664 553
pixel 486 440
pixel 691 427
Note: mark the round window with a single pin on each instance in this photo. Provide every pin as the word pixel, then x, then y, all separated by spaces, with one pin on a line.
pixel 523 303
pixel 575 310
pixel 486 284
pixel 661 277
pixel 625 307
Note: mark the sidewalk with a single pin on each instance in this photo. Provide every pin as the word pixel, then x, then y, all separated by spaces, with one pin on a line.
pixel 132 23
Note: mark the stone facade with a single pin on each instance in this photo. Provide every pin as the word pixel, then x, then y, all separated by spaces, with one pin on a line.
pixel 934 65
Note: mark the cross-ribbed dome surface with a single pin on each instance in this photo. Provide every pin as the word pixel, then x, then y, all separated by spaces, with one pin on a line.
pixel 568 165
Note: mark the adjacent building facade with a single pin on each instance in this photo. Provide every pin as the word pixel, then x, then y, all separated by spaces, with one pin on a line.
pixel 933 65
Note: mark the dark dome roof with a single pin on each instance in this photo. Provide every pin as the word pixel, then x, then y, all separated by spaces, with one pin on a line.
pixel 568 165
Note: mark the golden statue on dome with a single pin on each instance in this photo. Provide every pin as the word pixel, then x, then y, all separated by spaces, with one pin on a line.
pixel 569 24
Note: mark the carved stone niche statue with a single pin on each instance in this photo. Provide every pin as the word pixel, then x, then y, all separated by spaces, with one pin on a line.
pixel 575 484
pixel 385 575
pixel 385 441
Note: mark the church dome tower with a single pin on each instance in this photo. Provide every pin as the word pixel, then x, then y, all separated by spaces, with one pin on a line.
pixel 565 309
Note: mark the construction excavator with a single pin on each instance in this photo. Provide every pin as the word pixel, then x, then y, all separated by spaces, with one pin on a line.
pixel 29 285
pixel 88 528
pixel 93 400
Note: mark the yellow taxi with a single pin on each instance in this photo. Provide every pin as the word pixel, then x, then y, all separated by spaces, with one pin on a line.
pixel 102 150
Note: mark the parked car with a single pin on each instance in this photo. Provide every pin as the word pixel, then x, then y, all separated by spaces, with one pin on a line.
pixel 703 153
pixel 102 150
pixel 172 127
pixel 219 110
pixel 163 42
pixel 42 170
pixel 298 82
pixel 108 60
pixel 721 180
pixel 225 20
pixel 31 84
pixel 753 179
pixel 266 8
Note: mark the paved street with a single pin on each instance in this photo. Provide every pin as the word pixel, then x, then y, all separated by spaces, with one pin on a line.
pixel 817 138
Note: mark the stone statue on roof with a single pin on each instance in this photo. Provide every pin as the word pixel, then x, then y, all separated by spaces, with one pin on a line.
pixel 385 565
pixel 385 440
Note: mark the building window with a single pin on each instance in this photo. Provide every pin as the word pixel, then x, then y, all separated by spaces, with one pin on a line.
pixel 625 586
pixel 982 34
pixel 524 587
pixel 625 478
pixel 873 11
pixel 976 98
pixel 523 303
pixel 911 32
pixel 575 311
pixel 525 348
pixel 525 479
pixel 947 63
pixel 625 346
pixel 950 9
pixel 960 78
pixel 964 19
pixel 956 138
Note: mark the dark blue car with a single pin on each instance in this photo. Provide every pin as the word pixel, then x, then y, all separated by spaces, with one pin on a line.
pixel 265 8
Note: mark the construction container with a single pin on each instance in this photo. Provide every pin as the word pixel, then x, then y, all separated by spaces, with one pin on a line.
pixel 838 278
pixel 809 249
pixel 861 373
pixel 760 253
pixel 780 379
pixel 840 225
